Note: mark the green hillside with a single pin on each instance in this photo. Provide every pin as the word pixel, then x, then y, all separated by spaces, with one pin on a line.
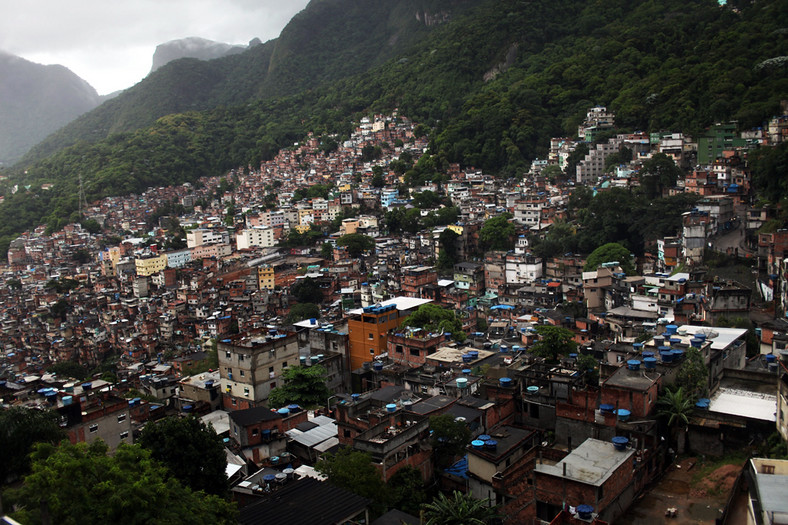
pixel 494 83
pixel 328 40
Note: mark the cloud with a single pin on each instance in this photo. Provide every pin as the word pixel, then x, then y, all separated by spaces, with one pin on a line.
pixel 110 43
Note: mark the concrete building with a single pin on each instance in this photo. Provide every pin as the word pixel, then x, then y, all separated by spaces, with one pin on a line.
pixel 596 473
pixel 258 237
pixel 250 365
pixel 368 327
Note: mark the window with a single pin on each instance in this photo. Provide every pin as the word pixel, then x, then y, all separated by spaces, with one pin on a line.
pixel 228 355
pixel 121 418
pixel 415 352
pixel 346 433
pixel 242 373
pixel 124 434
pixel 398 349
pixel 371 336
pixel 273 384
pixel 240 358
pixel 270 369
pixel 371 351
pixel 284 364
pixel 254 431
pixel 93 429
pixel 768 469
pixel 246 391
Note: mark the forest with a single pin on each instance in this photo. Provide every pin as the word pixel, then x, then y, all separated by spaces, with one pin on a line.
pixel 492 86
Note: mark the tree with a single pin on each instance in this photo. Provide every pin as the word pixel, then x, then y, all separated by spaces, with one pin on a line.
pixel 303 385
pixel 676 406
pixel 406 490
pixel 574 158
pixel 68 369
pixel 378 181
pixel 497 233
pixel 356 243
pixel 554 341
pixel 610 252
pixel 82 484
pixel 191 450
pixel 449 438
pixel 658 172
pixel 693 375
pixel 588 367
pixel 447 256
pixel 434 318
pixel 20 428
pixel 327 251
pixel 59 309
pixel 459 509
pixel 353 470
pixel 301 311
pixel 307 290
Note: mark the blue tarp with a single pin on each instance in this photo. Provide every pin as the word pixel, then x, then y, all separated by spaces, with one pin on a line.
pixel 502 307
pixel 459 469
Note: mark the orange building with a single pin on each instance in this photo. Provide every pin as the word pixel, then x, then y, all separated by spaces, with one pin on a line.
pixel 368 327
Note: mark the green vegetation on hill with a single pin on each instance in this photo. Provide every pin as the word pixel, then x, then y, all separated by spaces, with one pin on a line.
pixel 671 65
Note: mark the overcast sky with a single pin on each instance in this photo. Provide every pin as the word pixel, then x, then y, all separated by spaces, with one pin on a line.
pixel 110 43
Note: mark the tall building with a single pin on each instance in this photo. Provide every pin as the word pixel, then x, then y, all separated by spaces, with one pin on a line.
pixel 250 366
pixel 368 327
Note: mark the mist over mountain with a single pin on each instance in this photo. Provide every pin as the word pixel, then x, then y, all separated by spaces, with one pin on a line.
pixel 192 47
pixel 36 100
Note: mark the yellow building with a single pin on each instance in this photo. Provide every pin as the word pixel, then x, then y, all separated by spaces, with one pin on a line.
pixel 455 228
pixel 150 265
pixel 265 276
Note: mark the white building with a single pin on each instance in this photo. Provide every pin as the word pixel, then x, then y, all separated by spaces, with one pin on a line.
pixel 259 236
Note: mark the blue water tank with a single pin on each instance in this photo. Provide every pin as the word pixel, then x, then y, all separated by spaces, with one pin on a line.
pixel 505 382
pixel 477 443
pixel 283 411
pixel 671 329
pixel 623 414
pixel 620 443
pixel 650 363
pixel 771 358
pixel 585 512
pixel 606 408
pixel 491 444
pixel 633 364
pixel 391 407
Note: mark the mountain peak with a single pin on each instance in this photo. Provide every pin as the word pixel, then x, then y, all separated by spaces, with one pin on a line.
pixel 192 47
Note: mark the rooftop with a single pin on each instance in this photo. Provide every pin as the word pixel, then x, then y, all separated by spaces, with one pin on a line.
pixel 591 463
pixel 744 403
pixel 400 303
pixel 305 502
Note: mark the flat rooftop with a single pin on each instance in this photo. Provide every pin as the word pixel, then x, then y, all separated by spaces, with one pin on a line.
pixel 591 463
pixel 745 403
pixel 640 380
pixel 400 303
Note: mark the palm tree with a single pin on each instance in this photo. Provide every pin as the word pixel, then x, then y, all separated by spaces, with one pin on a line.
pixel 677 406
pixel 459 509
